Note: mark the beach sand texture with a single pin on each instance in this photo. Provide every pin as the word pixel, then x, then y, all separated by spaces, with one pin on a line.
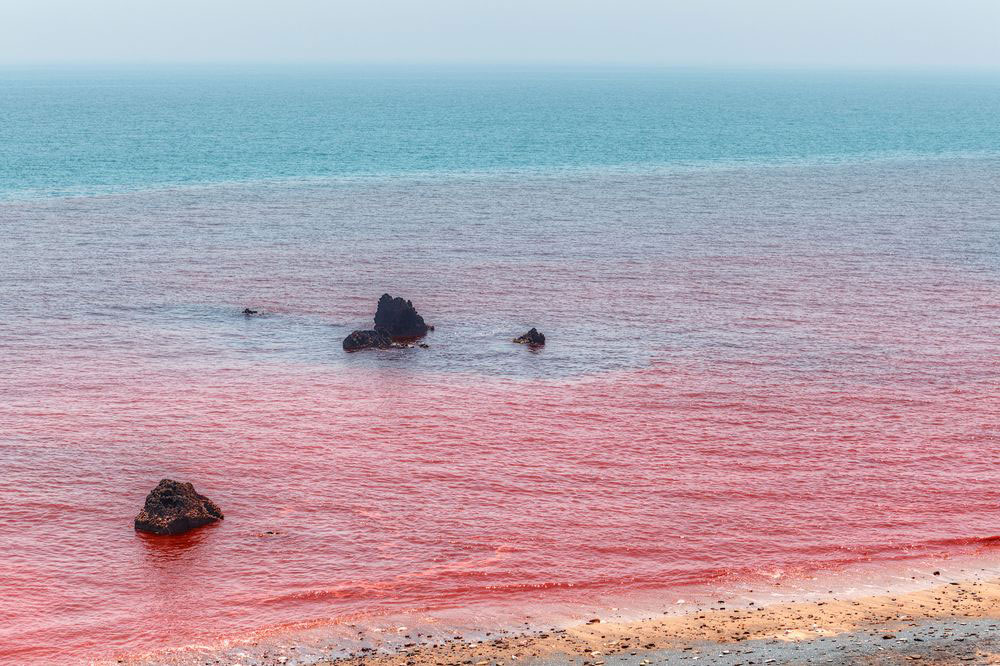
pixel 945 621
pixel 951 623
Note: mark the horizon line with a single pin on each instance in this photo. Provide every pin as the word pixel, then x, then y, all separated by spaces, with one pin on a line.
pixel 537 64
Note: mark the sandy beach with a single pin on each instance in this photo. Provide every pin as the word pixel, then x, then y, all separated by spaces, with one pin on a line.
pixel 954 622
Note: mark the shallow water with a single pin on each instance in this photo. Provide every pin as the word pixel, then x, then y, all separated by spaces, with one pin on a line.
pixel 751 369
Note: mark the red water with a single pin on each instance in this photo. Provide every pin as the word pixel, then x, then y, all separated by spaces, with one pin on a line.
pixel 841 408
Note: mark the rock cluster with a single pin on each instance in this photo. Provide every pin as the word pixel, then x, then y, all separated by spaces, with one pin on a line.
pixel 397 323
pixel 394 318
pixel 173 507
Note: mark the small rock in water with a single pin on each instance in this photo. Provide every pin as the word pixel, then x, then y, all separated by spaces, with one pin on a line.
pixel 532 338
pixel 173 507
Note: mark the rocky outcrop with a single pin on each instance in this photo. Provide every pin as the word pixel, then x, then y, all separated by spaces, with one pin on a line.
pixel 368 340
pixel 399 318
pixel 173 507
pixel 532 338
pixel 395 318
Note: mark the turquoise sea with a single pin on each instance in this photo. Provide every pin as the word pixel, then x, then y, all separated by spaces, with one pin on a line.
pixel 96 130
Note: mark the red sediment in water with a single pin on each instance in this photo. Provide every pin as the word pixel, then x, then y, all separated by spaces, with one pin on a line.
pixel 808 399
pixel 344 497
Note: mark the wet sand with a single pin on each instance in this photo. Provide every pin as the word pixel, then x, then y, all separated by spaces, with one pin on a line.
pixel 954 622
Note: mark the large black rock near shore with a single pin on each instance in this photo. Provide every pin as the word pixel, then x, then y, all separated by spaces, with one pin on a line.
pixel 394 318
pixel 173 507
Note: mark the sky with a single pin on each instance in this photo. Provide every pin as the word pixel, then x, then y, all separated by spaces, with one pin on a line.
pixel 729 33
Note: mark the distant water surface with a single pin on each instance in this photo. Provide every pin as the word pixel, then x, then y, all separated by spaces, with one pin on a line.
pixel 772 304
pixel 92 130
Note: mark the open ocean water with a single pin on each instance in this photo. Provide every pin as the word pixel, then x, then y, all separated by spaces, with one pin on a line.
pixel 772 304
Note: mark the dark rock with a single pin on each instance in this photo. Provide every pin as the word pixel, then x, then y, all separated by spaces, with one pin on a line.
pixel 368 340
pixel 399 318
pixel 248 312
pixel 173 507
pixel 532 337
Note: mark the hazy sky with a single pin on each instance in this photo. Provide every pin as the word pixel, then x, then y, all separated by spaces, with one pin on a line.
pixel 865 33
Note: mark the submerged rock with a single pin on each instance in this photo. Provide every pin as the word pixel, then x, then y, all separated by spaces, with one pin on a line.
pixel 399 318
pixel 368 340
pixel 173 507
pixel 532 338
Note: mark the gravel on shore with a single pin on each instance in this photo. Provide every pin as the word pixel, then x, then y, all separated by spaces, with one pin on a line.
pixel 958 623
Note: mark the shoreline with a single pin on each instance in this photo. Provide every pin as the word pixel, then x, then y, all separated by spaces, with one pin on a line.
pixel 945 615
pixel 953 622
